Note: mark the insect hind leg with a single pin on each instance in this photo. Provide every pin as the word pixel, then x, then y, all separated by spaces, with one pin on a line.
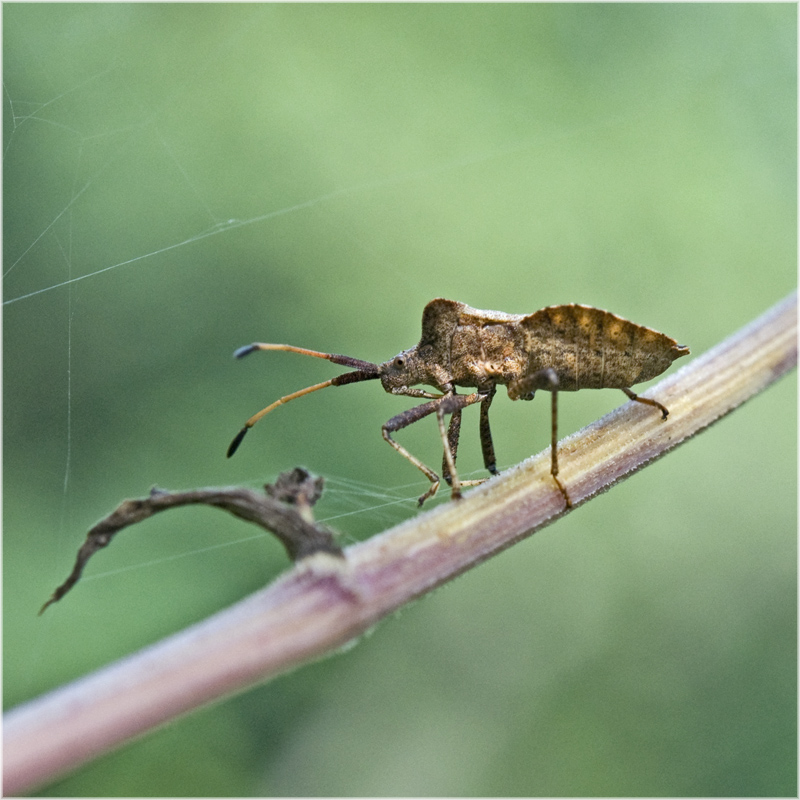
pixel 648 402
pixel 547 379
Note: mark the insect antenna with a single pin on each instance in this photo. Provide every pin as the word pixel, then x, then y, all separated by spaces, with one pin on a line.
pixel 365 371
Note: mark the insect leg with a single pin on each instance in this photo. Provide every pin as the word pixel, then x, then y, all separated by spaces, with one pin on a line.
pixel 449 460
pixel 448 404
pixel 401 421
pixel 546 379
pixel 453 404
pixel 487 446
pixel 647 401
pixel 453 433
pixel 554 442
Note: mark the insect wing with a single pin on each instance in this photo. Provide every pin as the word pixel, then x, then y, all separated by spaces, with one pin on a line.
pixel 594 349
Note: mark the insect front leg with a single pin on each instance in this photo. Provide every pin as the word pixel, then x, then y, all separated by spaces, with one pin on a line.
pixel 403 420
pixel 448 404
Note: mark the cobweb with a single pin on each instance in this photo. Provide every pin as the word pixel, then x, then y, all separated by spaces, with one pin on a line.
pixel 72 157
pixel 55 233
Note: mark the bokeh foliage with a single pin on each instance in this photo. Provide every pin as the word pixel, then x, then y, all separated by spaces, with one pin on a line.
pixel 637 157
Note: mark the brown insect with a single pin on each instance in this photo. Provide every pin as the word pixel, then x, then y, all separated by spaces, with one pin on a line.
pixel 557 349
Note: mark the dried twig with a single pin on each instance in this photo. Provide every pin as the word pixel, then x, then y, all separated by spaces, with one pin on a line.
pixel 284 510
pixel 323 602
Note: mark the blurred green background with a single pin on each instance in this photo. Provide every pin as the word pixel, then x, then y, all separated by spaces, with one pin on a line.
pixel 180 180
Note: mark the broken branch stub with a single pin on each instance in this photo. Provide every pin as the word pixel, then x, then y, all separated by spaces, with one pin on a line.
pixel 284 509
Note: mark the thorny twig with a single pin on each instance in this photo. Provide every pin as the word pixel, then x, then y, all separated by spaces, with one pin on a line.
pixel 326 602
pixel 285 510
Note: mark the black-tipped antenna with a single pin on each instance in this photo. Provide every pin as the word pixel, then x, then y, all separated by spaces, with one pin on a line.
pixel 345 361
pixel 365 371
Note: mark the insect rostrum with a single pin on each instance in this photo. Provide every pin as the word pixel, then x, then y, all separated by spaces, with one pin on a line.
pixel 556 349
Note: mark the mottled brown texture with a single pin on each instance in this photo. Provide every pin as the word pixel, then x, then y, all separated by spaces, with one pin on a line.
pixel 559 348
pixel 594 349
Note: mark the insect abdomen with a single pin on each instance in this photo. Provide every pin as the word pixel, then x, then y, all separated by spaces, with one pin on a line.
pixel 594 349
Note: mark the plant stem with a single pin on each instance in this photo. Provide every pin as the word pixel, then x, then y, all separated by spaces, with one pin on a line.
pixel 324 602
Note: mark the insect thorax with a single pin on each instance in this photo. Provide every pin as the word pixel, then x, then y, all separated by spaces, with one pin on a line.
pixel 482 355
